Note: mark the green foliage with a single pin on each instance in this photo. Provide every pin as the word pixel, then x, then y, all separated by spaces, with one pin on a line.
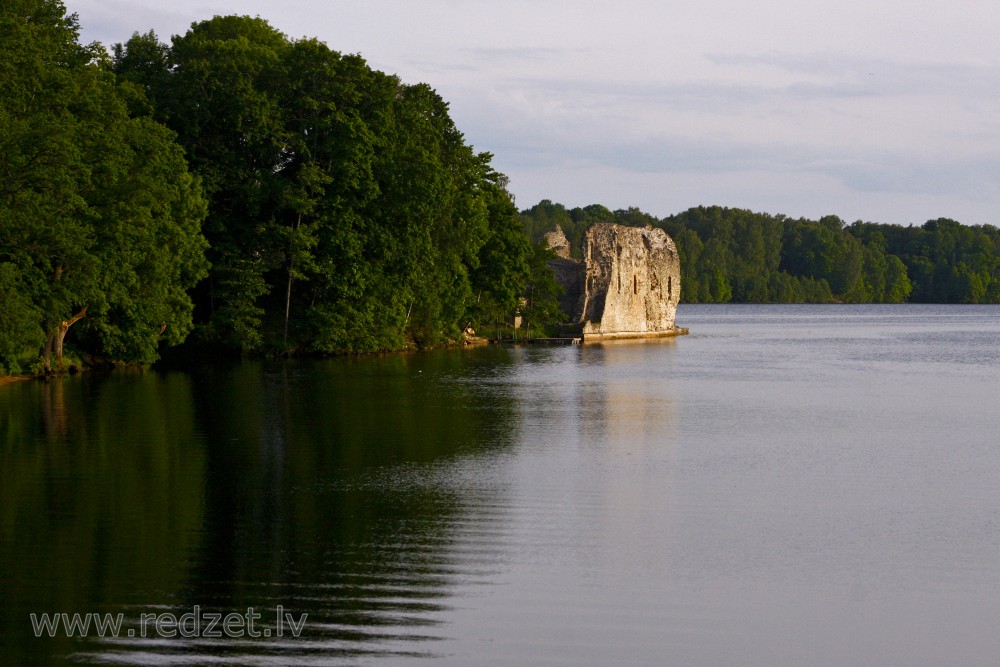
pixel 544 216
pixel 99 217
pixel 431 192
pixel 540 308
pixel 346 212
pixel 505 260
pixel 741 256
pixel 777 259
pixel 20 319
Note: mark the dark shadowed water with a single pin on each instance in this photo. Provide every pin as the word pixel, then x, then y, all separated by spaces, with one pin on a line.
pixel 788 485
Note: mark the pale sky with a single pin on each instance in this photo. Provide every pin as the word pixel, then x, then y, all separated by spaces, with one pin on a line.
pixel 878 110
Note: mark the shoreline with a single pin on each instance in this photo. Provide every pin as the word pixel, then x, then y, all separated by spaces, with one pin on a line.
pixel 599 337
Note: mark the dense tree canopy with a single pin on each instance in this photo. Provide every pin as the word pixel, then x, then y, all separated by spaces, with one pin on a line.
pixel 270 194
pixel 346 211
pixel 99 217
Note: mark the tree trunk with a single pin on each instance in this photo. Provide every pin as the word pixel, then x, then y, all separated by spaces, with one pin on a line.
pixel 47 352
pixel 288 293
pixel 407 320
pixel 288 307
pixel 60 334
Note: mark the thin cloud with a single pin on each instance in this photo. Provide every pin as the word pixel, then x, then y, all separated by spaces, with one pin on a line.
pixel 521 55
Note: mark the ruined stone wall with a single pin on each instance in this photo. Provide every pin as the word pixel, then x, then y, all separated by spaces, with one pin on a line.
pixel 631 285
pixel 568 273
pixel 557 242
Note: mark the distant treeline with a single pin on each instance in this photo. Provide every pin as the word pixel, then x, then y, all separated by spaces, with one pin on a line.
pixel 239 189
pixel 735 255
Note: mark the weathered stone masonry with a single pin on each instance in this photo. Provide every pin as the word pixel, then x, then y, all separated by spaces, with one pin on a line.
pixel 628 285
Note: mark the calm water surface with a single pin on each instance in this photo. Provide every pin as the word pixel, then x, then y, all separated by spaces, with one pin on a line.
pixel 788 485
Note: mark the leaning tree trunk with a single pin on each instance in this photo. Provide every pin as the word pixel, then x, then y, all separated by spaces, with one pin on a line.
pixel 60 335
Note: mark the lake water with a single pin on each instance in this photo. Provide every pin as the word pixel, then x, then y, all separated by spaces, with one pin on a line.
pixel 788 485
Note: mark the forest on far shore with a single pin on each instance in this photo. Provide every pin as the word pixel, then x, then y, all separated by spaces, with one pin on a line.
pixel 731 255
pixel 237 191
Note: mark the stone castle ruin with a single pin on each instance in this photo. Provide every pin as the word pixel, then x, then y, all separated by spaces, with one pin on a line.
pixel 627 286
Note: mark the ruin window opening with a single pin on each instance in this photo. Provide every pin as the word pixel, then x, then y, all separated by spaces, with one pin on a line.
pixel 635 284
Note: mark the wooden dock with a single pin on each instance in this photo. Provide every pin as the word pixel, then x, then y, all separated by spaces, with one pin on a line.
pixel 540 341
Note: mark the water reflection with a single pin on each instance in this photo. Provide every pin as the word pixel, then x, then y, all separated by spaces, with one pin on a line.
pixel 101 500
pixel 323 487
